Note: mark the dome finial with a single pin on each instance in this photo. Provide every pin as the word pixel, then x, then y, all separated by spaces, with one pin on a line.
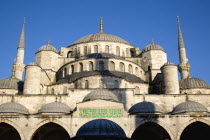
pixel 13 68
pixel 188 70
pixel 101 25
pixel 153 41
pixel 48 43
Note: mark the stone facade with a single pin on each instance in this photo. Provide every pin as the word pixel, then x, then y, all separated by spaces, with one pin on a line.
pixel 102 62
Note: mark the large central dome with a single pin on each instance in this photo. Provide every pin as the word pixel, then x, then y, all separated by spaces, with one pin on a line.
pixel 100 37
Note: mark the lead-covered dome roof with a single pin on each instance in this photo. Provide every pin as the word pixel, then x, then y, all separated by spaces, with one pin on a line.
pixel 55 107
pixel 145 107
pixel 189 83
pixel 48 47
pixel 100 37
pixel 152 46
pixel 11 83
pixel 13 107
pixel 188 107
pixel 101 94
pixel 100 128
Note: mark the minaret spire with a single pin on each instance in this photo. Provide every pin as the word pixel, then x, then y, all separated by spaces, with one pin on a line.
pixel 101 25
pixel 184 66
pixel 19 66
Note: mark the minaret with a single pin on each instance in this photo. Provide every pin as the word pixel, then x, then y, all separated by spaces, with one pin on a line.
pixel 101 25
pixel 183 62
pixel 19 66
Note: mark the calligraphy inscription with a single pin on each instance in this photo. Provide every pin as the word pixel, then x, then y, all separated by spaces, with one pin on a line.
pixel 100 113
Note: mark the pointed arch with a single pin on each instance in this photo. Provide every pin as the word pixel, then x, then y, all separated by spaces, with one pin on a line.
pixel 86 84
pixel 85 50
pixel 122 67
pixel 90 65
pixel 96 49
pixel 101 65
pixel 130 69
pixel 13 125
pixel 106 49
pixel 42 123
pixel 111 66
pixel 188 123
pixel 80 67
pixel 153 121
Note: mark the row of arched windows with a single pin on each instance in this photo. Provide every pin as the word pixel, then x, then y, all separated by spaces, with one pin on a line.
pixel 101 67
pixel 76 51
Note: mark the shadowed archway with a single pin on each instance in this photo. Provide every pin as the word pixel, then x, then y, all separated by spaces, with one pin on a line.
pixel 196 131
pixel 51 131
pixel 150 131
pixel 7 132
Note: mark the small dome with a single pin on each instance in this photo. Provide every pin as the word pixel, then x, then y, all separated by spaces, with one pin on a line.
pixel 145 107
pixel 100 37
pixel 101 94
pixel 55 107
pixel 11 83
pixel 32 64
pixel 48 47
pixel 191 82
pixel 13 107
pixel 189 106
pixel 169 64
pixel 100 128
pixel 152 46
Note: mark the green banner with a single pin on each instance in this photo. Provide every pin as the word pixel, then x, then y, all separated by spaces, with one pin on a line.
pixel 100 113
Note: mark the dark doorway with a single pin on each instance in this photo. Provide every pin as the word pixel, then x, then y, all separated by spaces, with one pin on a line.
pixel 51 131
pixel 196 131
pixel 150 131
pixel 7 132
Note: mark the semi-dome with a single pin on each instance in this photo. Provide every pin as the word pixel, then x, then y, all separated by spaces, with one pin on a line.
pixel 152 46
pixel 13 107
pixel 188 107
pixel 189 83
pixel 101 128
pixel 100 37
pixel 101 94
pixel 48 47
pixel 145 107
pixel 11 83
pixel 55 107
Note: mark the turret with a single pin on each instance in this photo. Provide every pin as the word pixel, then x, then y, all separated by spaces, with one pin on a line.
pixel 170 78
pixel 183 65
pixel 153 58
pixel 19 68
pixel 32 79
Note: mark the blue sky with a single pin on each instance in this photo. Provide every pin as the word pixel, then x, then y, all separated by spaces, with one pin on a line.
pixel 136 21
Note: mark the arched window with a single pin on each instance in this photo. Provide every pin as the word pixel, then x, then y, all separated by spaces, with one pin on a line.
pixel 137 90
pixel 52 91
pixel 122 67
pixel 90 66
pixel 69 54
pixel 95 49
pixel 116 84
pixel 106 49
pixel 111 66
pixel 86 84
pixel 80 67
pixel 101 65
pixel 75 52
pixel 85 50
pixel 130 69
pixel 137 71
pixel 72 69
pixel 64 90
pixel 118 51
pixel 64 72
